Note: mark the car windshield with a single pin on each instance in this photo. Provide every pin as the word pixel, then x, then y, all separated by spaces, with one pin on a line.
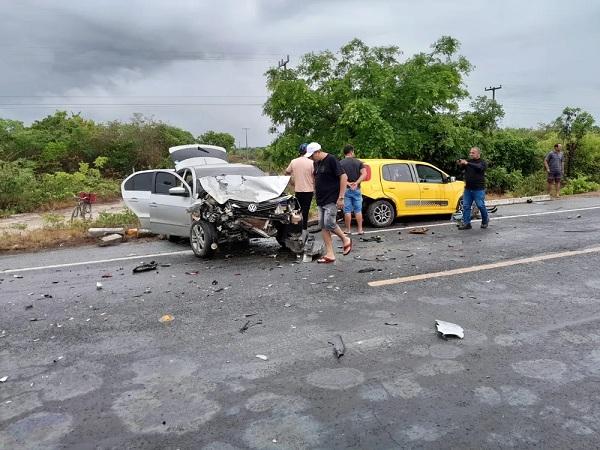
pixel 249 171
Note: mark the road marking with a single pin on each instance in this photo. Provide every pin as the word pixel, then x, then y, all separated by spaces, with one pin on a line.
pixel 496 265
pixel 516 216
pixel 99 261
pixel 189 252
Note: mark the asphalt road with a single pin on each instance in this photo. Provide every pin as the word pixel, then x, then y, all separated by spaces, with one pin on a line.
pixel 98 370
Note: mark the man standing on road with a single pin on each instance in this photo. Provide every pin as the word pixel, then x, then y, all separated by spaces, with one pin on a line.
pixel 554 162
pixel 356 172
pixel 330 187
pixel 302 171
pixel 474 188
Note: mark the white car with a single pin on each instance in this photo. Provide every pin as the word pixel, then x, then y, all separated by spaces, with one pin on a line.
pixel 212 202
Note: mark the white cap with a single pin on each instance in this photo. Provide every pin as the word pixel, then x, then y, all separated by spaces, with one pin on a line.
pixel 312 148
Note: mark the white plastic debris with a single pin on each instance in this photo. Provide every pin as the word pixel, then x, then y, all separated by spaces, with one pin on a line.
pixel 263 357
pixel 3 379
pixel 98 286
pixel 449 329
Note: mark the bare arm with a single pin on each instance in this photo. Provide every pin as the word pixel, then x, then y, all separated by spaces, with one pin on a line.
pixel 343 184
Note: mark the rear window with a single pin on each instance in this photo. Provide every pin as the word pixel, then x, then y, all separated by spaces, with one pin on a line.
pixel 140 182
pixel 397 173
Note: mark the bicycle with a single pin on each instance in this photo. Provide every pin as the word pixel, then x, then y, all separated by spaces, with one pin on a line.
pixel 83 209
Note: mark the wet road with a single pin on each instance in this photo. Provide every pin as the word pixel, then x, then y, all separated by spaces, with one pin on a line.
pixel 97 369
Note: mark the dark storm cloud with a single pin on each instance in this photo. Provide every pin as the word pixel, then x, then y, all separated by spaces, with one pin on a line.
pixel 542 52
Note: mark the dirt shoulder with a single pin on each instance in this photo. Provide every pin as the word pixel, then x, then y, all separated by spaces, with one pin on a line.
pixel 35 221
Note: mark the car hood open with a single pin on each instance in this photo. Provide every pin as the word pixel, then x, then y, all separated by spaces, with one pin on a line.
pixel 244 188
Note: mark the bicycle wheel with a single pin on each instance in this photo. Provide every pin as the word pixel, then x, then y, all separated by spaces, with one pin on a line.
pixel 86 211
pixel 76 212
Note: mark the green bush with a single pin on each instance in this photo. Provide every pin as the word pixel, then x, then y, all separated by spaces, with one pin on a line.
pixel 579 185
pixel 500 180
pixel 22 191
pixel 125 218
pixel 533 184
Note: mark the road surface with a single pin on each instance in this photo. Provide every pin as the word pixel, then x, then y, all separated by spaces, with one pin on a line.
pixel 97 369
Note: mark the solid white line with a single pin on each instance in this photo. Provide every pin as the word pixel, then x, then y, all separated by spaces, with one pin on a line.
pixel 516 216
pixel 100 261
pixel 186 252
pixel 496 265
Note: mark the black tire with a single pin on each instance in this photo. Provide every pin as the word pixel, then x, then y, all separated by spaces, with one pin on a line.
pixel 459 205
pixel 281 235
pixel 381 213
pixel 202 236
pixel 86 211
pixel 75 213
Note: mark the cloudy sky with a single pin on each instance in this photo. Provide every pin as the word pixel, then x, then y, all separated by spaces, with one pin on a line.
pixel 200 64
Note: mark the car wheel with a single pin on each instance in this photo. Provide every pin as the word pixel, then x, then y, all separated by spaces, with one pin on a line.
pixel 202 236
pixel 381 213
pixel 459 205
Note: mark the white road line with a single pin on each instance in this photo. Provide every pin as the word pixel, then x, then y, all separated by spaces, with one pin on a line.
pixel 492 219
pixel 189 252
pixel 496 265
pixel 99 261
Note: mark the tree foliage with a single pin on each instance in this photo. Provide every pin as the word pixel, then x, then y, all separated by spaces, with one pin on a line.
pixel 368 97
pixel 224 140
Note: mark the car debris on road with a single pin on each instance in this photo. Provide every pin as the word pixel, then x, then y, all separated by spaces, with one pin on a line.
pixel 448 329
pixel 152 265
pixel 166 318
pixel 420 230
pixel 338 346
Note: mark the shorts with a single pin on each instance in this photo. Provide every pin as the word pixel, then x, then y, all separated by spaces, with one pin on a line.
pixel 327 216
pixel 352 201
pixel 554 177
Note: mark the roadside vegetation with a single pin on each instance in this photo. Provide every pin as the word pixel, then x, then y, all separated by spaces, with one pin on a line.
pixel 385 104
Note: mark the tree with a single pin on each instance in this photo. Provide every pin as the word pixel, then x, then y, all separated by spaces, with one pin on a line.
pixel 485 115
pixel 367 97
pixel 572 125
pixel 225 140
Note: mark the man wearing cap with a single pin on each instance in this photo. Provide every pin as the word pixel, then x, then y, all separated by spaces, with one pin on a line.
pixel 302 171
pixel 330 187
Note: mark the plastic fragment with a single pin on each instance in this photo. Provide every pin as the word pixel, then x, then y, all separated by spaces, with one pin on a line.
pixel 263 357
pixel 166 318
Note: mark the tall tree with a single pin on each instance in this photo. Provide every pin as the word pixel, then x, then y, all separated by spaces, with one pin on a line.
pixel 366 96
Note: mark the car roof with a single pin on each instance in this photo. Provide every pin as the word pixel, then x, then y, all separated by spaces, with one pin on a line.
pixel 392 161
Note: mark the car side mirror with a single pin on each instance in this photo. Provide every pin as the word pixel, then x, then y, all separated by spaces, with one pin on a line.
pixel 452 179
pixel 179 191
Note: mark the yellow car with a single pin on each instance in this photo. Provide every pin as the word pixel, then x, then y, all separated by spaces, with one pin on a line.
pixel 396 187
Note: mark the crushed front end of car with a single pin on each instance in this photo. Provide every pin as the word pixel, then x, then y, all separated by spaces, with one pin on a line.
pixel 235 208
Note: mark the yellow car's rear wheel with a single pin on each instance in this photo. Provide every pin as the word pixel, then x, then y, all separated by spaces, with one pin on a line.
pixel 381 213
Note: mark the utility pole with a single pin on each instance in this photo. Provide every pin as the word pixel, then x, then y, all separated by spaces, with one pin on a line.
pixel 493 89
pixel 246 130
pixel 283 63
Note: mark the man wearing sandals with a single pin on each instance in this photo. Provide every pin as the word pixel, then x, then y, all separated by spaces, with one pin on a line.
pixel 330 187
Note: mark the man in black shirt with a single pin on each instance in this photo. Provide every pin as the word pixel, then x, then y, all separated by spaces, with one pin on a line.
pixel 330 187
pixel 474 188
pixel 356 172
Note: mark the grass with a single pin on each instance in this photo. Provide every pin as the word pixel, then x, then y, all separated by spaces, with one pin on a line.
pixel 58 232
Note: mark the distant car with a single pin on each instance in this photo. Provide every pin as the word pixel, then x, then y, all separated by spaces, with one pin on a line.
pixel 211 201
pixel 396 188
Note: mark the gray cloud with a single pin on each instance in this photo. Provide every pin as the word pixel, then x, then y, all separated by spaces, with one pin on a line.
pixel 168 53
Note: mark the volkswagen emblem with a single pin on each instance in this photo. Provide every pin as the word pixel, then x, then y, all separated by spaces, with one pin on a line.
pixel 252 207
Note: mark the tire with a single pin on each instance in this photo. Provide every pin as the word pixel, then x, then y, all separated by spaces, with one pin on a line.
pixel 202 236
pixel 75 213
pixel 459 205
pixel 86 211
pixel 281 235
pixel 381 213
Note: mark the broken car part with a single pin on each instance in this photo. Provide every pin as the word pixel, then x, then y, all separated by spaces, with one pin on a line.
pixel 338 346
pixel 448 329
pixel 152 265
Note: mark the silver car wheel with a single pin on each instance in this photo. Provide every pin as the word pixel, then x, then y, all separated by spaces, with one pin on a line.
pixel 198 238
